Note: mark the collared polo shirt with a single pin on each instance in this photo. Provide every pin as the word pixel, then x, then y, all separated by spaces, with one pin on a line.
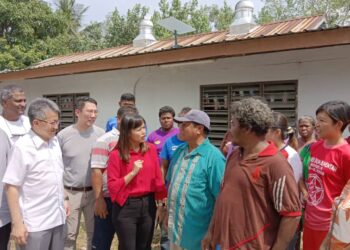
pixel 100 154
pixel 5 147
pixel 36 168
pixel 195 180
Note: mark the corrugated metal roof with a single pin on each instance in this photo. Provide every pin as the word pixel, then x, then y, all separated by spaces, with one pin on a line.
pixel 272 29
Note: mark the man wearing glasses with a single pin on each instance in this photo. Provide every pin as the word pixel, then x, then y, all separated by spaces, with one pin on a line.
pixel 194 178
pixel 13 125
pixel 34 182
pixel 76 142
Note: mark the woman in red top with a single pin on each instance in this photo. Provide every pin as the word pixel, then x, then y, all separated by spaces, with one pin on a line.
pixel 134 181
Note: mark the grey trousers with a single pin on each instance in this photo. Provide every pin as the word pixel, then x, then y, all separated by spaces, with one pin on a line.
pixel 51 239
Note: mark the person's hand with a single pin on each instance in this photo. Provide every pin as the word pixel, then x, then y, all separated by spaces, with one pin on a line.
pixel 67 207
pixel 161 212
pixel 137 166
pixel 207 242
pixel 19 233
pixel 101 208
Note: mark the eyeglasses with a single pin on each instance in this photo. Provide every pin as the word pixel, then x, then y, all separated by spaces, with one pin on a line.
pixel 53 123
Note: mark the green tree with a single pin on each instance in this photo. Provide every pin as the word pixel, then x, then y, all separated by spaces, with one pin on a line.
pixel 92 37
pixel 73 13
pixel 123 29
pixel 336 12
pixel 189 12
pixel 25 28
pixel 222 17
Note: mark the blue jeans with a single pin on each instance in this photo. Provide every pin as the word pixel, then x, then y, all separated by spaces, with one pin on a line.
pixel 104 230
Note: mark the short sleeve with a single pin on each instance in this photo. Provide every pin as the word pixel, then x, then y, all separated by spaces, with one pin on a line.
pixel 216 171
pixel 283 188
pixel 99 154
pixel 164 154
pixel 16 168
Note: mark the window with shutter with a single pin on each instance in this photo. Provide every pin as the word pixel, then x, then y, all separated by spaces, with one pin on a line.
pixel 216 102
pixel 66 103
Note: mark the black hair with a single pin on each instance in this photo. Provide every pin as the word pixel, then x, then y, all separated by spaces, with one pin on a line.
pixel 127 110
pixel 337 111
pixel 127 97
pixel 80 102
pixel 166 109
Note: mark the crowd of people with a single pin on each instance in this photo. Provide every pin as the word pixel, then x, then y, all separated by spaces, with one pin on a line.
pixel 264 188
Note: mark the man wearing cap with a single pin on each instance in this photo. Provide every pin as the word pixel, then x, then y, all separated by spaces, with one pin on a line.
pixel 195 176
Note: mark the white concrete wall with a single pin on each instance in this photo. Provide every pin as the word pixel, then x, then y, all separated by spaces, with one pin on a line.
pixel 323 74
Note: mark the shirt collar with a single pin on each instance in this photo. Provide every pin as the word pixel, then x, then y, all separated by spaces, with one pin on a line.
pixel 114 131
pixel 38 141
pixel 201 149
pixel 270 150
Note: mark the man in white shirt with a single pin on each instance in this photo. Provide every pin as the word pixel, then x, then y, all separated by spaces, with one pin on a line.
pixel 13 124
pixel 5 218
pixel 34 182
pixel 12 120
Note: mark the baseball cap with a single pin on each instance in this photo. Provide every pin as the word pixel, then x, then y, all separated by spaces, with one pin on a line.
pixel 196 116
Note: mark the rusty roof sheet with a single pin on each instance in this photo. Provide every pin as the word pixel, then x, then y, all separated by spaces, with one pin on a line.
pixel 298 25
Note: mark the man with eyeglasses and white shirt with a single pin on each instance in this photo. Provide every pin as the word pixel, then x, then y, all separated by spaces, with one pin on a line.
pixel 13 125
pixel 76 143
pixel 34 182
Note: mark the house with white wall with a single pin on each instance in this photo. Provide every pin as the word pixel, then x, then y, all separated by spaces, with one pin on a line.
pixel 295 65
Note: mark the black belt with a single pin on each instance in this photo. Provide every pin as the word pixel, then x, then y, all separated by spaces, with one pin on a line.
pixel 81 189
pixel 144 197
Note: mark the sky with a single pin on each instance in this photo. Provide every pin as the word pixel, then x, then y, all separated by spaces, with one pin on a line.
pixel 98 9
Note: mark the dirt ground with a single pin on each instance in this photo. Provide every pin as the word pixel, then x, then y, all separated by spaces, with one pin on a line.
pixel 81 241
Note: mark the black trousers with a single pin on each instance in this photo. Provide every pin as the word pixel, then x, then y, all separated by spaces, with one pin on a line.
pixel 134 223
pixel 5 236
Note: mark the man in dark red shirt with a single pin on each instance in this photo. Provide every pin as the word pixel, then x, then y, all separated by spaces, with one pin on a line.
pixel 258 206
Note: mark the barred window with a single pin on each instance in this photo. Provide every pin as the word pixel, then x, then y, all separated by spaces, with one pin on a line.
pixel 66 103
pixel 216 101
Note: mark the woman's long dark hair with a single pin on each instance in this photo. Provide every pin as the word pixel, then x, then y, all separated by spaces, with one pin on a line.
pixel 280 121
pixel 127 124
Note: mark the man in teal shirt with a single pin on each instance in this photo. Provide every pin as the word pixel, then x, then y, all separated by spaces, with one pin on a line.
pixel 195 176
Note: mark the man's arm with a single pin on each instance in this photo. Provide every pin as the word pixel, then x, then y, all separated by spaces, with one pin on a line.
pixel 287 228
pixel 19 230
pixel 164 168
pixel 97 183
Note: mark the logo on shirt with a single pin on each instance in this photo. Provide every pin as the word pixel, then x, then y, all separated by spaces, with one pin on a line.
pixel 316 190
pixel 157 142
pixel 256 174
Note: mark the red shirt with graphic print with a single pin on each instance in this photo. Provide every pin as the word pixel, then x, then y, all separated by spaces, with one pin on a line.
pixel 329 171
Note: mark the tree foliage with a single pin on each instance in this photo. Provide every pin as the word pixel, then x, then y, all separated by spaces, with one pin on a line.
pixel 73 13
pixel 123 29
pixel 31 31
pixel 25 28
pixel 336 12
